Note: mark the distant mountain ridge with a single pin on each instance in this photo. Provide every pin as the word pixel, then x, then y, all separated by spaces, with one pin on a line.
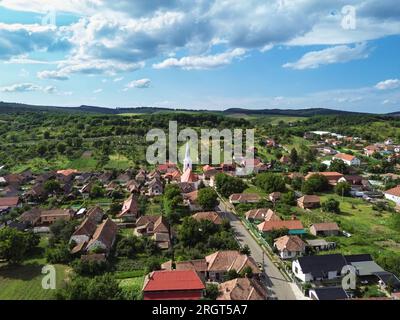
pixel 19 107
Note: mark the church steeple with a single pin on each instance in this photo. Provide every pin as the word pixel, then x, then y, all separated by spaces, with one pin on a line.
pixel 187 162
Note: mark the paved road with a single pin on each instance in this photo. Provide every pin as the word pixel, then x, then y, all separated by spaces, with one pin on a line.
pixel 277 286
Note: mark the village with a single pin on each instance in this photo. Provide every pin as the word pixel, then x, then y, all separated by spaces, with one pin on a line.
pixel 181 224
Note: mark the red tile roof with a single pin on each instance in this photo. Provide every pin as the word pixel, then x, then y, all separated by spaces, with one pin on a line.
pixel 344 156
pixel 276 225
pixel 9 201
pixel 173 280
pixel 394 191
pixel 67 172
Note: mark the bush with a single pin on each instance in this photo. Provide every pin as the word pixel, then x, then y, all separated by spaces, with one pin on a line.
pixel 331 205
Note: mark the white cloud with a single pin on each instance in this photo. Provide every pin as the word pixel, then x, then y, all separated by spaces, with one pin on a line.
pixel 139 84
pixel 201 62
pixel 337 54
pixel 388 84
pixel 27 87
pixel 97 91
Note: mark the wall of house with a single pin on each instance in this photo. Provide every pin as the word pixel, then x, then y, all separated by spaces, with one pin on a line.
pixel 392 198
pixel 80 238
pixel 296 269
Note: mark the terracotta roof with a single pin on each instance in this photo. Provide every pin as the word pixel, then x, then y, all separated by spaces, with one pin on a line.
pixel 326 226
pixel 199 265
pixel 394 191
pixel 173 280
pixel 262 214
pixel 329 175
pixel 31 216
pixel 230 259
pixel 211 216
pixel 242 289
pixel 344 156
pixel 276 225
pixel 87 227
pixel 67 172
pixel 9 202
pixel 56 212
pixel 309 198
pixel 289 243
pixel 130 206
pixel 245 197
pixel 188 176
pixel 105 233
pixel 191 196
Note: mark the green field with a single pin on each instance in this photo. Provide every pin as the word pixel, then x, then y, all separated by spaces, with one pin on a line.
pixel 371 230
pixel 24 282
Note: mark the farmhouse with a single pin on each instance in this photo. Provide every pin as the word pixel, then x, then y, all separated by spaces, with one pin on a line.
pixel 294 226
pixel 308 202
pixel 242 289
pixel 289 247
pixel 129 210
pixel 8 203
pixel 325 229
pixel 211 216
pixel 104 236
pixel 244 198
pixel 333 177
pixel 50 216
pixel 264 214
pixel 348 159
pixel 173 285
pixel 393 194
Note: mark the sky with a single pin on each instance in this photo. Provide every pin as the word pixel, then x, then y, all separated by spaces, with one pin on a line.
pixel 202 54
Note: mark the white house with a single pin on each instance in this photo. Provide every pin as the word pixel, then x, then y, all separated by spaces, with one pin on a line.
pixel 348 159
pixel 324 267
pixel 393 194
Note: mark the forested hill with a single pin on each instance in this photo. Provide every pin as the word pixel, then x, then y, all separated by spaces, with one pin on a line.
pixel 6 107
pixel 291 112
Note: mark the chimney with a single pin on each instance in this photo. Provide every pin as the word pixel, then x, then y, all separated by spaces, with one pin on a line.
pixel 294 217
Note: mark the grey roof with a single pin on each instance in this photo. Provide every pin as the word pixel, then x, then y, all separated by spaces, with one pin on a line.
pixel 331 293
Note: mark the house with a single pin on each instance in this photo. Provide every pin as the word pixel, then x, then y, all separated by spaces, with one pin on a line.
pixel 95 214
pixel 309 202
pixel 293 226
pixel 322 267
pixel 154 187
pixel 133 186
pixel 173 285
pixel 104 237
pixel 220 262
pixel 129 211
pixel 274 196
pixel 393 194
pixel 348 159
pixel 242 289
pixel 190 199
pixel 333 177
pixel 211 216
pixel 7 203
pixel 259 215
pixel 370 150
pixel 31 216
pixel 189 176
pixel 320 245
pixel 37 192
pixel 156 227
pixel 325 229
pixel 364 264
pixel 289 247
pixel 244 198
pixel 166 167
pixel 328 293
pixel 84 232
pixel 48 217
pixel 198 265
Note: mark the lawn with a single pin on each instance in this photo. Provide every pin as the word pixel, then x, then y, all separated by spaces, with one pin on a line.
pixel 371 230
pixel 24 282
pixel 254 189
pixel 83 164
pixel 119 162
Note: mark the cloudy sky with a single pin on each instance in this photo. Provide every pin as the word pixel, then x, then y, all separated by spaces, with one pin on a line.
pixel 210 54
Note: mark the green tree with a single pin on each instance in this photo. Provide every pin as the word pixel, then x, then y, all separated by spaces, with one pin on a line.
pixel 52 186
pixel 331 205
pixel 315 183
pixel 212 291
pixel 227 185
pixel 270 182
pixel 338 165
pixel 343 189
pixel 207 198
pixel 14 245
pixel 294 157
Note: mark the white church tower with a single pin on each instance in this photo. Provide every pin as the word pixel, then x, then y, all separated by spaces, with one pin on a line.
pixel 187 162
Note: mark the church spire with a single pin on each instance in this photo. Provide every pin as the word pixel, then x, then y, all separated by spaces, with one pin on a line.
pixel 187 162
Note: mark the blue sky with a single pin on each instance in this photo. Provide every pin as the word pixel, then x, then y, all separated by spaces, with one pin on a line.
pixel 208 54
